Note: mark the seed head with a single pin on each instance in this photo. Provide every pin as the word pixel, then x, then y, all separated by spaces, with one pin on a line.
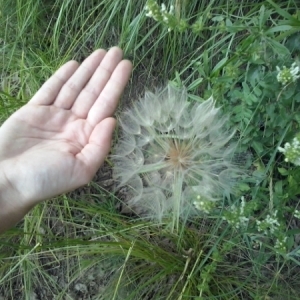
pixel 172 151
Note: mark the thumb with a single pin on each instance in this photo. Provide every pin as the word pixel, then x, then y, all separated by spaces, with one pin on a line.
pixel 94 153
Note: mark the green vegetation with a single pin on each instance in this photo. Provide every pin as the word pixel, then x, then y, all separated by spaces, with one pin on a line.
pixel 80 245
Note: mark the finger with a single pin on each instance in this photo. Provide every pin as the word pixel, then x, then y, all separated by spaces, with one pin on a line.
pixel 72 88
pixel 94 87
pixel 107 102
pixel 94 153
pixel 50 89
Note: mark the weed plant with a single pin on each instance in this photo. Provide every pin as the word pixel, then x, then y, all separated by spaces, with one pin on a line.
pixel 246 246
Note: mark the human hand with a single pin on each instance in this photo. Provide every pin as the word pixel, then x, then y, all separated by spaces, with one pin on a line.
pixel 58 141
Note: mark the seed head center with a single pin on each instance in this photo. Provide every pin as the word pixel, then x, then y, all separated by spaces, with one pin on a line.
pixel 178 155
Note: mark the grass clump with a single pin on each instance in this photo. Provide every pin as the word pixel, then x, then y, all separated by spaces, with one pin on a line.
pixel 246 246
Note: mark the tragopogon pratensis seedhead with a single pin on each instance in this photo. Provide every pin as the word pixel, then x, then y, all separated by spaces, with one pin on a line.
pixel 171 153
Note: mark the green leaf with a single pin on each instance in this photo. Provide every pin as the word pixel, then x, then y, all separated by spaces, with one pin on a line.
pixel 218 18
pixel 257 91
pixel 194 84
pixel 246 88
pixel 279 28
pixel 220 64
pixel 258 147
pixel 228 22
pixel 282 12
pixel 206 62
pixel 290 242
pixel 288 92
pixel 283 171
pixel 254 75
pixel 250 99
pixel 293 232
pixel 297 117
pixel 278 48
pixel 196 98
pixel 263 16
pixel 293 42
pixel 244 187
pixel 278 187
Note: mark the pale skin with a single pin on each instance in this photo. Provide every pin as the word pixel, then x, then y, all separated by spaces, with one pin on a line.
pixel 58 141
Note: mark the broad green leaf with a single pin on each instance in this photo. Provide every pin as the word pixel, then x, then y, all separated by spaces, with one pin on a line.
pixel 218 18
pixel 283 171
pixel 278 48
pixel 279 28
pixel 220 64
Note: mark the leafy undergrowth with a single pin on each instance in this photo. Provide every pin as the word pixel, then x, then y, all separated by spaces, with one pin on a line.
pixel 87 244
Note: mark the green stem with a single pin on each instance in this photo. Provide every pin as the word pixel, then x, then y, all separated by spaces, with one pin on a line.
pixel 177 193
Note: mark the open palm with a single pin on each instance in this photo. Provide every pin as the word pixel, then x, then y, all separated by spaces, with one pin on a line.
pixel 57 141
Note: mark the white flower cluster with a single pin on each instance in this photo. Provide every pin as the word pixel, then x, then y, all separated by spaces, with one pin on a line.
pixel 286 75
pixel 269 225
pixel 280 244
pixel 297 214
pixel 204 205
pixel 236 215
pixel 170 152
pixel 292 151
pixel 158 13
pixel 164 16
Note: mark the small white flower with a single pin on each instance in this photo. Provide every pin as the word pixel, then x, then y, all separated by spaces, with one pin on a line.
pixel 292 151
pixel 236 215
pixel 294 70
pixel 280 244
pixel 149 14
pixel 269 225
pixel 286 75
pixel 297 214
pixel 203 205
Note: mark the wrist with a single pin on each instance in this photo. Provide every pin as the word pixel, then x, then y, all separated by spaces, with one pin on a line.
pixel 13 206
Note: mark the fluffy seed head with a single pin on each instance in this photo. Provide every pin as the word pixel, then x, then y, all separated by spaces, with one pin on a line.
pixel 171 151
